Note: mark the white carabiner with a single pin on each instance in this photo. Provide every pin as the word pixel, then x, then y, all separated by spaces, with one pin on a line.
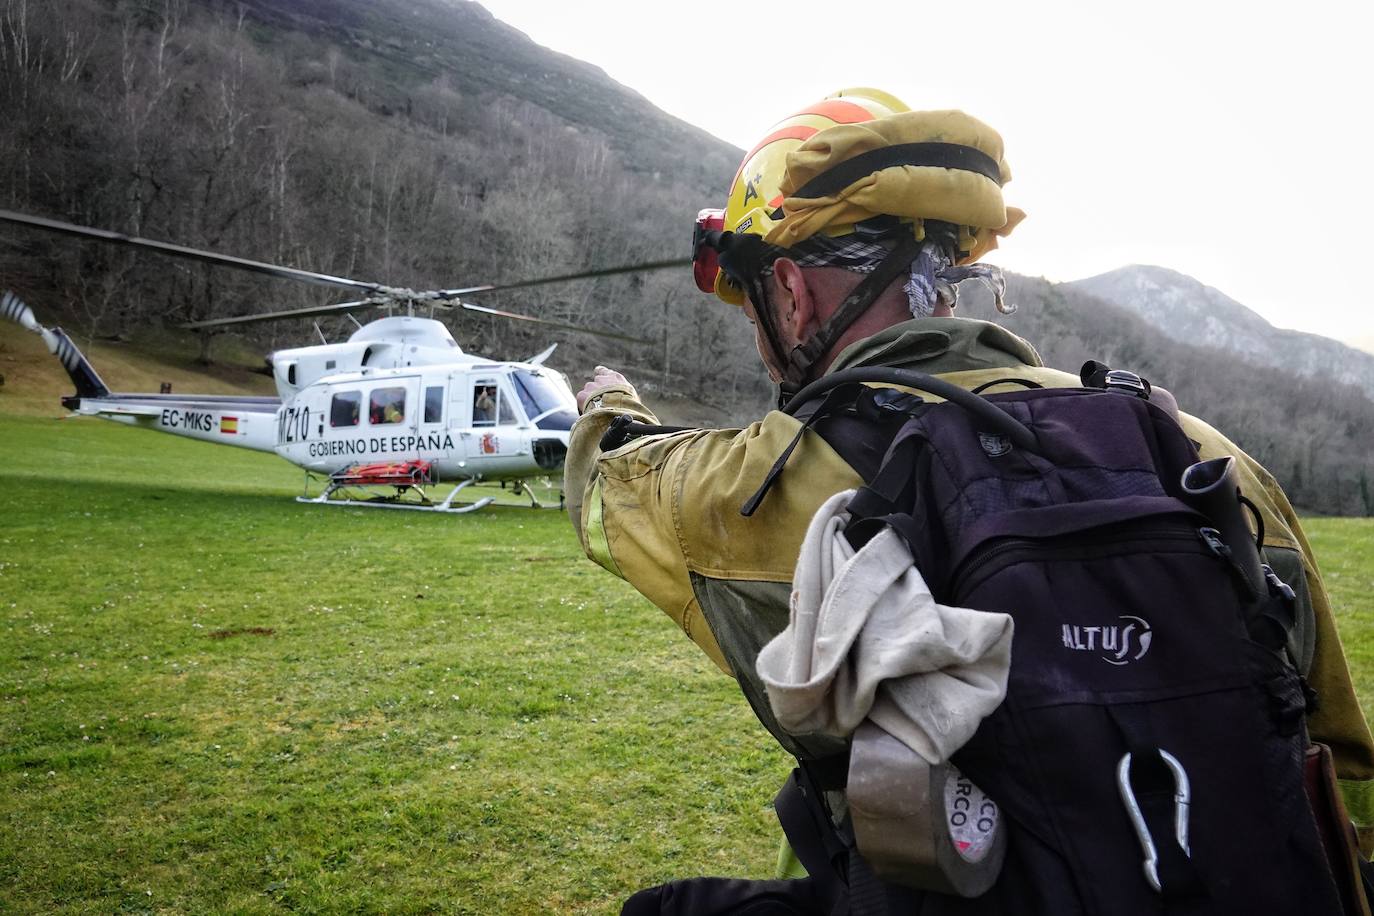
pixel 1182 797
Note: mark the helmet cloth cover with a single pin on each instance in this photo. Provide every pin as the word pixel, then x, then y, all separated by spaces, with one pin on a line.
pixel 959 196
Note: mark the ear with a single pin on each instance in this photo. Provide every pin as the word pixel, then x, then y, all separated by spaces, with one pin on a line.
pixel 796 301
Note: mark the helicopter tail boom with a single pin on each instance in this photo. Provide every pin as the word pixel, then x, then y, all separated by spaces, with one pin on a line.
pixel 248 422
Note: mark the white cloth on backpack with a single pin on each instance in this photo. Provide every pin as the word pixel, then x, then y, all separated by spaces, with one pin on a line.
pixel 866 639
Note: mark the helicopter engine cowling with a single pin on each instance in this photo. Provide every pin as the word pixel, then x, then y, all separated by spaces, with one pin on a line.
pixel 397 342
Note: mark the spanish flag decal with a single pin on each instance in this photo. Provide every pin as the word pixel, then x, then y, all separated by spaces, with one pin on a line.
pixel 229 426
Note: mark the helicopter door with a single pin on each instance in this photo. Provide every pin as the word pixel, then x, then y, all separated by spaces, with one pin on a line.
pixel 434 416
pixel 495 417
pixel 393 412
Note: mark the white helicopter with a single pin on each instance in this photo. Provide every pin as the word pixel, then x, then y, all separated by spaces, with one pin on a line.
pixel 398 406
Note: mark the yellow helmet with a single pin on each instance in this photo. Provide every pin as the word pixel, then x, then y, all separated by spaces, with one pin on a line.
pixel 754 191
pixel 860 156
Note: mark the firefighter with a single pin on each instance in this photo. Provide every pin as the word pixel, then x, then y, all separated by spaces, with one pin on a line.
pixel 846 233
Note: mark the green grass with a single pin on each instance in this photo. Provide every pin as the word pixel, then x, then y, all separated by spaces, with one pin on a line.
pixel 213 699
pixel 1345 553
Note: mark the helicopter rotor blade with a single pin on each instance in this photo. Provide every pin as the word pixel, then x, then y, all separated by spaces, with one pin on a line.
pixel 552 324
pixel 581 275
pixel 308 311
pixel 382 295
pixel 193 254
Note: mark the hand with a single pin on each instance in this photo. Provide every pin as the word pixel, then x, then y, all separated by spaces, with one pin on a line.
pixel 602 378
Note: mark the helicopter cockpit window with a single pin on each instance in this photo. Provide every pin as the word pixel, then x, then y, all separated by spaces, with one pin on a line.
pixel 543 400
pixel 345 408
pixel 388 405
pixel 434 404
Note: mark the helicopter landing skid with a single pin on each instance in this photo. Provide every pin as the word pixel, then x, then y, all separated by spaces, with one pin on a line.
pixel 396 501
pixel 521 487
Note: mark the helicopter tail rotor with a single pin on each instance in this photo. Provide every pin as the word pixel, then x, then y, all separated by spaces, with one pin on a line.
pixel 88 382
pixel 18 311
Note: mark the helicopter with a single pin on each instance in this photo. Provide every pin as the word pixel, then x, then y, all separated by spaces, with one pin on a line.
pixel 398 406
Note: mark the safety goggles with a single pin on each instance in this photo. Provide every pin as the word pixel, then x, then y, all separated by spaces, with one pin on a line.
pixel 705 257
pixel 861 250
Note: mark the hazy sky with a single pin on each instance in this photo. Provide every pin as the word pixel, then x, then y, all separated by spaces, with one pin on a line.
pixel 1229 141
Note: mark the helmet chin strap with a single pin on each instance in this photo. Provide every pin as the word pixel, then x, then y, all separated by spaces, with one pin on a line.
pixel 798 365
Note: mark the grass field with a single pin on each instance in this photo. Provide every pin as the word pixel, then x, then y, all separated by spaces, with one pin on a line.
pixel 215 699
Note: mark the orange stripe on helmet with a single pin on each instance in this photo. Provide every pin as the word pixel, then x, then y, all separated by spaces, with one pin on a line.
pixel 839 111
pixel 797 132
pixel 836 110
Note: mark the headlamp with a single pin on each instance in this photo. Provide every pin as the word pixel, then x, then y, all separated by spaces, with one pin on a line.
pixel 705 262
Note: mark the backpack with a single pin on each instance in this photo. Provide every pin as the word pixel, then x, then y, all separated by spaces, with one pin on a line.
pixel 1151 755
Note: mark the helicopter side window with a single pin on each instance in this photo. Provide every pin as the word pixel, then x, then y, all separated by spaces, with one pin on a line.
pixel 505 410
pixel 345 408
pixel 388 405
pixel 434 404
pixel 484 397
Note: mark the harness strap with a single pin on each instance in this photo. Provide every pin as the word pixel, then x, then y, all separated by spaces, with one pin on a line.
pixel 802 358
pixel 836 397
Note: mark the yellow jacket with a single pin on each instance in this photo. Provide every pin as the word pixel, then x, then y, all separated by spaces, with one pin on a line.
pixel 662 512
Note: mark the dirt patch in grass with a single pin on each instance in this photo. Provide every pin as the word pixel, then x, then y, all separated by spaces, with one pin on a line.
pixel 244 631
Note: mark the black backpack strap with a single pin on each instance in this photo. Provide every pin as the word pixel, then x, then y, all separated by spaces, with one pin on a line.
pixel 730 897
pixel 831 858
pixel 805 821
pixel 888 500
pixel 987 416
pixel 845 386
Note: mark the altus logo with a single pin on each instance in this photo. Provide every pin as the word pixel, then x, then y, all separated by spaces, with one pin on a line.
pixel 1119 644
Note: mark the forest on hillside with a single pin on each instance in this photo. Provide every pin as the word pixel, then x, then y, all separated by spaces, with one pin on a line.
pixel 199 124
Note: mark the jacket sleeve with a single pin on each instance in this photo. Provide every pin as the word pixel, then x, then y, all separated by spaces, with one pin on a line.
pixel 1338 721
pixel 621 504
pixel 664 512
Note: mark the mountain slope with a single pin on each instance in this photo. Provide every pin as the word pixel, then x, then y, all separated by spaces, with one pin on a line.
pixel 1314 434
pixel 422 143
pixel 1189 312
pixel 406 44
pixel 415 143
